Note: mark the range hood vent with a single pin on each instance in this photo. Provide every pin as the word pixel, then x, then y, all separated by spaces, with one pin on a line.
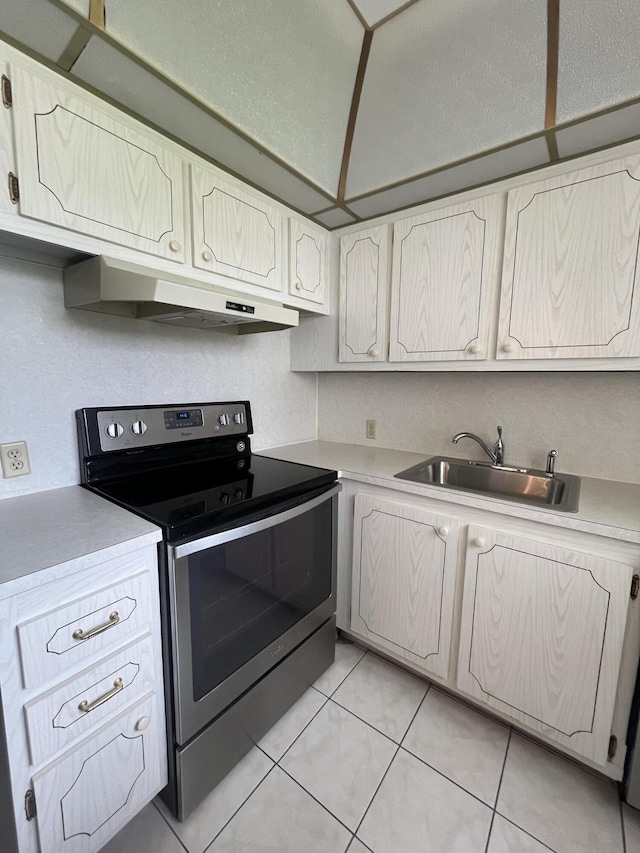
pixel 112 286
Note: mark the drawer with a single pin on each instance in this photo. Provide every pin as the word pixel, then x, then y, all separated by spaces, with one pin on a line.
pixel 69 711
pixel 77 631
pixel 86 797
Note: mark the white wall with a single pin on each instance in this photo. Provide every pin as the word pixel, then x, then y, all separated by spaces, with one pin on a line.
pixel 53 361
pixel 591 419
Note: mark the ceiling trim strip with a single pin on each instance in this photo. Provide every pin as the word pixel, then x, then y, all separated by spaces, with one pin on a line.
pixel 97 13
pixel 552 145
pixel 358 14
pixel 513 143
pixel 72 52
pixel 353 114
pixel 553 48
pixel 113 42
pixel 393 14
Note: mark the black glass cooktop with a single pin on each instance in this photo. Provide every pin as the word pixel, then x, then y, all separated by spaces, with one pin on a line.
pixel 196 499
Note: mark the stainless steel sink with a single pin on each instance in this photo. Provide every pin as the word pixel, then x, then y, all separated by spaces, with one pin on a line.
pixel 522 485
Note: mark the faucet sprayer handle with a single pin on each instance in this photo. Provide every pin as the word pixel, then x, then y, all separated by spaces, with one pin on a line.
pixel 551 460
pixel 499 432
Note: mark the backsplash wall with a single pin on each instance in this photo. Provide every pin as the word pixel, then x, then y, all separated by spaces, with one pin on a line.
pixel 591 419
pixel 56 360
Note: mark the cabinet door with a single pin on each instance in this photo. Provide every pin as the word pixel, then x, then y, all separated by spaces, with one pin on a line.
pixel 83 166
pixel 308 247
pixel 444 283
pixel 570 266
pixel 364 295
pixel 404 565
pixel 83 800
pixel 541 637
pixel 235 233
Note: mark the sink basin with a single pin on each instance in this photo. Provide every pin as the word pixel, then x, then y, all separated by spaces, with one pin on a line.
pixel 522 485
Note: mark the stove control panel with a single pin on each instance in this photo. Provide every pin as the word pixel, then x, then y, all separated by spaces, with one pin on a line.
pixel 130 428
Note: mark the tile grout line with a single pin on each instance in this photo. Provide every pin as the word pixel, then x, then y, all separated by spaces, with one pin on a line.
pixel 523 830
pixel 384 776
pixel 222 829
pixel 313 797
pixel 171 829
pixel 495 802
pixel 300 733
pixel 329 695
pixel 624 834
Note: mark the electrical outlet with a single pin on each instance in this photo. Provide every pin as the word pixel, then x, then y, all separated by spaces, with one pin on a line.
pixel 371 429
pixel 15 459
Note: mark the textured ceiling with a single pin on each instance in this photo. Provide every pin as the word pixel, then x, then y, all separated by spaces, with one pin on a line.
pixel 349 108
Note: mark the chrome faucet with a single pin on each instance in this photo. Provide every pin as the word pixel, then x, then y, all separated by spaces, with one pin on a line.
pixel 496 455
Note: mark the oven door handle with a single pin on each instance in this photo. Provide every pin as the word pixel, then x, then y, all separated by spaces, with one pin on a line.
pixel 254 527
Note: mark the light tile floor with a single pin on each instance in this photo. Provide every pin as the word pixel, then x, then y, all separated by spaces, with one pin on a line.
pixel 373 760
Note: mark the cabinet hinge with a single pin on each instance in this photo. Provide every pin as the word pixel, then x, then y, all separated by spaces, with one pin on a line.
pixel 30 804
pixel 635 586
pixel 613 746
pixel 14 188
pixel 7 96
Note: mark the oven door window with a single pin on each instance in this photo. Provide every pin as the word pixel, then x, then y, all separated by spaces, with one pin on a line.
pixel 246 593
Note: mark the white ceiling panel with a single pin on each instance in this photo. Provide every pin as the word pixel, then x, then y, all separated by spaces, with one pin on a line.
pixel 600 131
pixel 599 57
pixel 375 10
pixel 335 218
pixel 500 164
pixel 282 71
pixel 39 25
pixel 124 80
pixel 445 80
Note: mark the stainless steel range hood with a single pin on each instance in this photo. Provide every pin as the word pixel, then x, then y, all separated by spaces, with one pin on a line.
pixel 113 286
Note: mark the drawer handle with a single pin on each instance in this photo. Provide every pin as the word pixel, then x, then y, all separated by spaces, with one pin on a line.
pixel 79 634
pixel 118 685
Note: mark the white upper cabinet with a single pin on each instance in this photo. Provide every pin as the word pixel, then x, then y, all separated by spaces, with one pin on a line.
pixel 542 635
pixel 85 166
pixel 444 278
pixel 236 233
pixel 570 266
pixel 308 251
pixel 364 295
pixel 404 573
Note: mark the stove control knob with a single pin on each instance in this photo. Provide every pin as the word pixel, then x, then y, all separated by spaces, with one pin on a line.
pixel 238 418
pixel 115 430
pixel 223 420
pixel 224 499
pixel 138 427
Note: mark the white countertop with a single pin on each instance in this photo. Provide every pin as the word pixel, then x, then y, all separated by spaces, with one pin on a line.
pixel 606 508
pixel 65 528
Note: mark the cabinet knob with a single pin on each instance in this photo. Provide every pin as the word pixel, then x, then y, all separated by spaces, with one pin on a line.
pixel 507 347
pixel 207 256
pixel 372 351
pixel 479 542
pixel 443 531
pixel 174 246
pixel 298 285
pixel 475 349
pixel 142 724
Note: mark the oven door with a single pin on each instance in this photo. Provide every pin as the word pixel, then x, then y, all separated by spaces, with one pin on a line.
pixel 242 599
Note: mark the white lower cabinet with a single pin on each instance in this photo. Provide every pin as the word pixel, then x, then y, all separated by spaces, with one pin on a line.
pixel 404 568
pixel 541 636
pixel 83 720
pixel 540 620
pixel 103 782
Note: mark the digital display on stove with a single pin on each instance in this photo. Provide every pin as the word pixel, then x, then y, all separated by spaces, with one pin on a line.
pixel 179 420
